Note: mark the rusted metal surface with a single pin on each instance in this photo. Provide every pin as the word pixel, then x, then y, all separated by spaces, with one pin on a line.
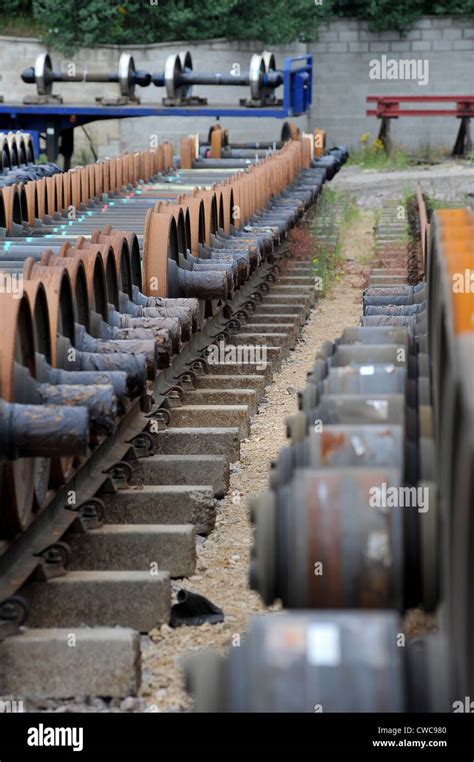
pixel 20 560
pixel 317 528
pixel 339 661
pixel 117 323
pixel 50 429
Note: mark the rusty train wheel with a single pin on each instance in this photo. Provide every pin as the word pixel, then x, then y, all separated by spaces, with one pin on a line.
pixel 59 294
pixel 43 345
pixel 17 352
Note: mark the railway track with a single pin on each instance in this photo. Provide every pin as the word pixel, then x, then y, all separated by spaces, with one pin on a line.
pixel 129 288
pixel 368 514
pixel 16 150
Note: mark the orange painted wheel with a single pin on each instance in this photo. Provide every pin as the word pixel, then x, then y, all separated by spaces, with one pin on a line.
pixel 73 264
pixel 217 137
pixel 124 172
pixel 85 192
pixel 159 158
pixel 182 222
pixel 96 281
pixel 210 211
pixel 29 147
pixel 186 153
pixel 106 253
pixel 30 202
pixel 121 252
pixel 92 181
pixel 168 155
pixel 36 293
pixel 120 179
pixel 14 157
pixel 12 207
pixel 17 353
pixel 135 169
pixel 227 196
pixel 23 202
pixel 67 190
pixel 289 131
pixel 5 161
pixel 197 221
pixel 59 192
pixel 57 285
pixel 160 238
pixel 219 205
pixel 105 172
pixel 134 249
pixel 51 196
pixel 112 176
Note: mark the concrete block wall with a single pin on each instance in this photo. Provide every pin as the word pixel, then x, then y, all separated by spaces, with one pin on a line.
pixel 342 56
pixel 341 78
pixel 112 136
pixel 214 55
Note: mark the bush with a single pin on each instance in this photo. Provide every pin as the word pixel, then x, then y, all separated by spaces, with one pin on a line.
pixel 70 24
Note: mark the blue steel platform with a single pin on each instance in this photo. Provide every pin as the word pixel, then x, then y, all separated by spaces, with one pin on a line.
pixel 55 120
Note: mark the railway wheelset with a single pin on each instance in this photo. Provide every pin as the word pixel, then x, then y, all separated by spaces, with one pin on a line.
pixel 369 510
pixel 17 167
pixel 16 148
pixel 116 277
pixel 177 78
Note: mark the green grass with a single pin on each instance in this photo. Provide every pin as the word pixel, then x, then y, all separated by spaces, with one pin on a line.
pixel 85 157
pixel 440 203
pixel 407 193
pixel 20 26
pixel 336 212
pixel 428 154
pixel 376 158
pixel 372 156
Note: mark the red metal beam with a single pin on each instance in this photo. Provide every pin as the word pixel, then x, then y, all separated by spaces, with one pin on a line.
pixel 389 106
pixel 420 98
pixel 395 113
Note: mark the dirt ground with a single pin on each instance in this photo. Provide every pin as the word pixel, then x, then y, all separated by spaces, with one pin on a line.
pixel 451 181
pixel 223 558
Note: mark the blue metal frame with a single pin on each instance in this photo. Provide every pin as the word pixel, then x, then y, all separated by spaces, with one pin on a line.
pixel 294 78
pixel 304 64
pixel 36 115
pixel 35 118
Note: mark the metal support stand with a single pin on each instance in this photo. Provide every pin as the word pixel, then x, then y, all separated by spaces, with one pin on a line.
pixel 66 147
pixel 384 134
pixel 52 140
pixel 463 144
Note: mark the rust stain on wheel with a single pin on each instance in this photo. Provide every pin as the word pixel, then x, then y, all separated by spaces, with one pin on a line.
pixel 59 294
pixel 197 221
pixel 36 293
pixel 12 206
pixel 16 350
pixel 156 237
pixel 186 153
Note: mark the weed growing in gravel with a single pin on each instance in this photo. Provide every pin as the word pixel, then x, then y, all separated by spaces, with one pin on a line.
pixel 335 214
pixel 373 156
